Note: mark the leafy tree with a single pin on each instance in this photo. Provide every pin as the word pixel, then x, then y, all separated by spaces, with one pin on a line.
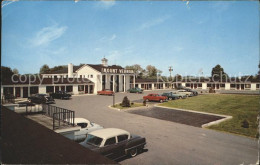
pixel 138 70
pixel 44 69
pixel 218 73
pixel 177 77
pixel 15 71
pixel 151 71
pixel 6 74
pixel 56 68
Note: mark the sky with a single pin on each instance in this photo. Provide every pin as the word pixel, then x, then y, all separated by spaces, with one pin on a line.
pixel 192 37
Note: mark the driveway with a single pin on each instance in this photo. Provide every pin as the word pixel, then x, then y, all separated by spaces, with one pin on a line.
pixel 167 142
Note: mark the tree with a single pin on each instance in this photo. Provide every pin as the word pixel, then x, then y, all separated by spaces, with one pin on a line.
pixel 6 74
pixel 138 70
pixel 125 102
pixel 151 71
pixel 44 69
pixel 218 73
pixel 15 71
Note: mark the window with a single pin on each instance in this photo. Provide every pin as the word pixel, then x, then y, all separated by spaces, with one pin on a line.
pixel 91 76
pixel 83 125
pixel 69 89
pixel 188 85
pixel 257 85
pixel 222 85
pixel 110 141
pixel 232 85
pixel 199 85
pixel 81 88
pixel 122 138
pixel 208 85
pixel 248 85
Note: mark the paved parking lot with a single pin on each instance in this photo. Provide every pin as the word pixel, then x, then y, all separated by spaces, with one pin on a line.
pixel 188 118
pixel 167 142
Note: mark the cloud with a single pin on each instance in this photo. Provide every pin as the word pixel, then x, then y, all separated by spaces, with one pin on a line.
pixel 47 34
pixel 106 39
pixel 153 22
pixel 106 4
pixel 5 3
pixel 221 6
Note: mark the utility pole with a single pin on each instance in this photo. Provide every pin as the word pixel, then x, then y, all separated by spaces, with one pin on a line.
pixel 170 70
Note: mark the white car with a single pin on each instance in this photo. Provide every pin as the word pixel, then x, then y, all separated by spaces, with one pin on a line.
pixel 79 133
pixel 188 94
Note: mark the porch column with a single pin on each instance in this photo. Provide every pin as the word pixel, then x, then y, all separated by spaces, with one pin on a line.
pixel 21 92
pixel 134 81
pixel 29 94
pixel 88 89
pixel 113 82
pixel 124 83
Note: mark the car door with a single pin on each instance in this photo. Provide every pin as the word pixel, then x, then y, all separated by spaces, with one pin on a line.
pixel 121 144
pixel 110 148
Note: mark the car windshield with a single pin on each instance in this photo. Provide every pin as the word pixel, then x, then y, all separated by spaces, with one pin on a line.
pixel 93 140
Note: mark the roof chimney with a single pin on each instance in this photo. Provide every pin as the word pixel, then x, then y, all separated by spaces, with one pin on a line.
pixel 104 62
pixel 70 70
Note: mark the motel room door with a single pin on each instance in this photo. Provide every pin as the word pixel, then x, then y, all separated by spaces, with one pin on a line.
pixel 86 88
pixel 25 92
pixel 17 91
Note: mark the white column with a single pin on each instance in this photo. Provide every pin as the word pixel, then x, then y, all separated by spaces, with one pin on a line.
pixel 134 81
pixel 152 86
pixel 204 85
pixel 253 86
pixel 139 85
pixel 113 83
pixel 163 85
pixel 42 89
pixel 29 94
pixel 88 89
pixel 124 83
pixel 75 89
pixel 21 91
pixel 227 86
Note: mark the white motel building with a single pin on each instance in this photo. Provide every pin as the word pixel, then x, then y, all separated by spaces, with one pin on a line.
pixel 90 78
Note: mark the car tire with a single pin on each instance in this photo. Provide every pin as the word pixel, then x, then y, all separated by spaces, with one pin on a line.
pixel 170 98
pixel 160 101
pixel 180 97
pixel 133 152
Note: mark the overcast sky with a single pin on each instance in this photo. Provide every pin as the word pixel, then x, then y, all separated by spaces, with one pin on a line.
pixel 191 37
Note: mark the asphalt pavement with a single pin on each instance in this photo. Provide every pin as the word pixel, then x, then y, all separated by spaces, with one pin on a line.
pixel 167 142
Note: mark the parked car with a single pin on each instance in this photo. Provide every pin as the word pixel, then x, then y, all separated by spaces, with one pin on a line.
pixel 135 90
pixel 178 95
pixel 195 93
pixel 60 95
pixel 79 135
pixel 41 99
pixel 106 92
pixel 114 143
pixel 155 97
pixel 188 94
pixel 170 96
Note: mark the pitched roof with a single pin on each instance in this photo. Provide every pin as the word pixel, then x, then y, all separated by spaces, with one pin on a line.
pixel 65 70
pixel 99 67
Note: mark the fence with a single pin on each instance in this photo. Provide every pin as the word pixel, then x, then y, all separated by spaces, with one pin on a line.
pixel 59 115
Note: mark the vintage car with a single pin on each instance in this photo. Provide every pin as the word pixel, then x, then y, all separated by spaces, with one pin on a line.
pixel 114 143
pixel 171 96
pixel 41 99
pixel 188 94
pixel 106 92
pixel 135 90
pixel 155 97
pixel 179 95
pixel 84 127
pixel 60 95
pixel 195 93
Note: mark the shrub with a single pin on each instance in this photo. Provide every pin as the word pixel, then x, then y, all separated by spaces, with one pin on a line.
pixel 125 102
pixel 211 90
pixel 245 124
pixel 144 102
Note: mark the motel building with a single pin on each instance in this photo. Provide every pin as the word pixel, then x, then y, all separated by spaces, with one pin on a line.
pixel 90 78
pixel 83 79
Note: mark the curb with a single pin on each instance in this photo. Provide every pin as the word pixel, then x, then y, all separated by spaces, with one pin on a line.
pixel 226 117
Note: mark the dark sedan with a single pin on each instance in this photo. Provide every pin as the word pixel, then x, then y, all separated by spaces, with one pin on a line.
pixel 61 95
pixel 41 99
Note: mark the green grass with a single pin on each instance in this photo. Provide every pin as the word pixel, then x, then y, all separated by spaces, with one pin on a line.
pixel 241 107
pixel 132 106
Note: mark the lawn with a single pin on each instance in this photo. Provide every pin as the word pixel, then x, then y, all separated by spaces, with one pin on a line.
pixel 241 107
pixel 132 106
